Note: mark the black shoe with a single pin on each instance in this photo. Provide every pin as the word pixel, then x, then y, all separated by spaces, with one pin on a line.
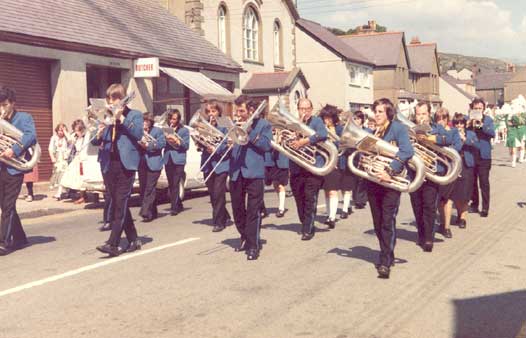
pixel 484 213
pixel 359 205
pixel 4 250
pixel 349 210
pixel 252 254
pixel 331 223
pixel 327 220
pixel 473 209
pixel 344 215
pixel 134 246
pixel 218 228
pixel 307 237
pixel 111 250
pixel 280 213
pixel 428 246
pixel 18 245
pixel 383 272
pixel 147 219
pixel 105 227
pixel 462 223
pixel 242 246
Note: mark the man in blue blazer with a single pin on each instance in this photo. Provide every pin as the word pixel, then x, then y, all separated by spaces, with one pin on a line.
pixel 174 159
pixel 485 132
pixel 120 157
pixel 150 167
pixel 247 174
pixel 12 235
pixel 305 185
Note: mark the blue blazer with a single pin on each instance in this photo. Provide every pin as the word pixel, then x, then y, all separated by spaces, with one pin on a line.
pixel 397 134
pixel 23 122
pixel 484 135
pixel 153 154
pixel 274 158
pixel 446 138
pixel 224 166
pixel 469 148
pixel 249 160
pixel 318 126
pixel 130 131
pixel 177 155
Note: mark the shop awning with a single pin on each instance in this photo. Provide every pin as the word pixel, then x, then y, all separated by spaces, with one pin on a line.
pixel 200 84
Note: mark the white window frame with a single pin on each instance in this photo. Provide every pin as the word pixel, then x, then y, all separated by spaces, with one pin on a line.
pixel 354 75
pixel 251 34
pixel 276 33
pixel 222 28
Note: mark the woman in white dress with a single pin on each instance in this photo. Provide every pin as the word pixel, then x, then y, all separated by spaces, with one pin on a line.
pixel 59 147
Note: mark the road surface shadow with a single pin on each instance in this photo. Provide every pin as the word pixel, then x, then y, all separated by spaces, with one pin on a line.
pixel 406 235
pixel 521 204
pixel 497 315
pixel 293 227
pixel 362 253
pixel 235 242
pixel 35 240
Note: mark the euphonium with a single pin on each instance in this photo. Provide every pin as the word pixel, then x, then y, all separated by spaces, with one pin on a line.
pixel 203 133
pixel 9 136
pixel 432 155
pixel 375 155
pixel 287 128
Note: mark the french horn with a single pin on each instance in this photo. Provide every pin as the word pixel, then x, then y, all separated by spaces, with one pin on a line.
pixel 432 155
pixel 374 157
pixel 287 128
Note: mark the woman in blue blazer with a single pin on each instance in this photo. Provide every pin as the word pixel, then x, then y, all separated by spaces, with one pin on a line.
pixel 150 167
pixel 174 158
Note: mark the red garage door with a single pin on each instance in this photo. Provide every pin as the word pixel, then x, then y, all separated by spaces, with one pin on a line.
pixel 31 79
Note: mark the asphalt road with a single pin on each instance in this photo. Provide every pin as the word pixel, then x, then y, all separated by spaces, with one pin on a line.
pixel 189 282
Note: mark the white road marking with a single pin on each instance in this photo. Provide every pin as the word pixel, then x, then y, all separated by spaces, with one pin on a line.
pixel 93 267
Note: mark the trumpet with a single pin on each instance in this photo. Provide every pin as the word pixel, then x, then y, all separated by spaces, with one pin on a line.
pixel 375 156
pixel 433 155
pixel 287 128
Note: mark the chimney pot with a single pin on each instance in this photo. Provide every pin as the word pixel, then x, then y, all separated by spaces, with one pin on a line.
pixel 415 40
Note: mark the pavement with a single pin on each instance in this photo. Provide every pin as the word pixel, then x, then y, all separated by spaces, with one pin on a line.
pixel 189 282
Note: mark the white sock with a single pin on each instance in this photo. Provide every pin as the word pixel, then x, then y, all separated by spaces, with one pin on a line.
pixel 513 160
pixel 333 207
pixel 59 191
pixel 327 205
pixel 281 198
pixel 346 201
pixel 521 156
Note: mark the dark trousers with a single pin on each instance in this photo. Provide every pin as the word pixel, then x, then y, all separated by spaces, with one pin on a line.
pixel 384 203
pixel 247 196
pixel 216 185
pixel 119 183
pixel 11 231
pixel 424 203
pixel 175 173
pixel 481 176
pixel 147 186
pixel 359 191
pixel 305 188
pixel 107 213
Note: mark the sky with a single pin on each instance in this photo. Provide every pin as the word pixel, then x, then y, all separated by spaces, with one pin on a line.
pixel 491 28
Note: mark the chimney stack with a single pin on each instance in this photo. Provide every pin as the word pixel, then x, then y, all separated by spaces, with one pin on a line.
pixel 510 68
pixel 415 40
pixel 372 25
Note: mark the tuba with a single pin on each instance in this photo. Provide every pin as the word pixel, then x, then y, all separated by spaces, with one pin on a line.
pixel 287 128
pixel 9 136
pixel 432 155
pixel 375 155
pixel 204 134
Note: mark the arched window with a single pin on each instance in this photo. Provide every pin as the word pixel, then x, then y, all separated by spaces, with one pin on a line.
pixel 250 34
pixel 222 22
pixel 277 44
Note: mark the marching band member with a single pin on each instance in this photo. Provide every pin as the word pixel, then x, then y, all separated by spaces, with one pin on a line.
pixel 216 184
pixel 383 201
pixel 332 181
pixel 120 159
pixel 513 141
pixel 445 204
pixel 150 167
pixel 485 132
pixel 247 174
pixel 12 235
pixel 277 175
pixel 305 185
pixel 174 159
pixel 464 184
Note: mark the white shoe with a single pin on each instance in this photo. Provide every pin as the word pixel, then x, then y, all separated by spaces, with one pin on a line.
pixel 29 199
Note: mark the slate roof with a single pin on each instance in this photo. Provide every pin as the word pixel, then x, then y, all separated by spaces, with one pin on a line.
pixel 382 49
pixel 273 81
pixel 121 28
pixel 422 57
pixel 332 42
pixel 489 81
pixel 453 82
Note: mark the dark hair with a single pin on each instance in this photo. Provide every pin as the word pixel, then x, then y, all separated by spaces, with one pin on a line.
pixel 330 111
pixel 389 107
pixel 7 94
pixel 172 112
pixel 147 116
pixel 215 105
pixel 441 114
pixel 424 103
pixel 477 101
pixel 359 114
pixel 459 117
pixel 248 101
pixel 78 123
pixel 61 125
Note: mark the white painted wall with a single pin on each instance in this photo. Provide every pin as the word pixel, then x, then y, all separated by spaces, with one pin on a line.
pixel 452 99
